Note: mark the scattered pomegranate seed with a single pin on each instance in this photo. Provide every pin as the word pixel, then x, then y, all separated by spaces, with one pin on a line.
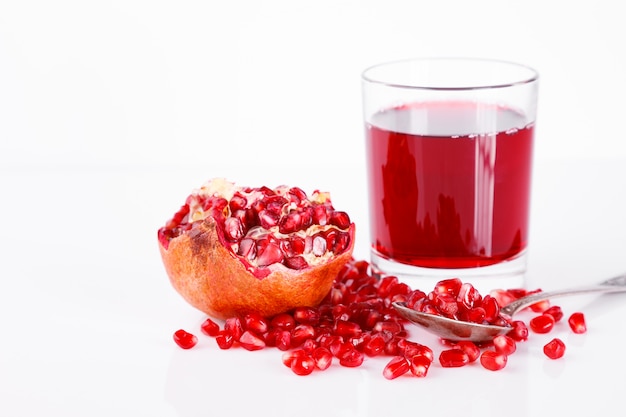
pixel 519 331
pixel 356 320
pixel 210 328
pixel 542 323
pixel 251 341
pixel 492 360
pixel 556 312
pixel 419 365
pixel 453 358
pixel 470 348
pixel 397 366
pixel 504 344
pixel 554 349
pixel 184 339
pixel 577 323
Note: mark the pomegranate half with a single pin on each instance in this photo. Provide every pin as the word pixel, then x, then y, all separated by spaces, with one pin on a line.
pixel 233 250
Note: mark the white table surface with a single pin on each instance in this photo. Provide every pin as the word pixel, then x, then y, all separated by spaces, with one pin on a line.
pixel 87 313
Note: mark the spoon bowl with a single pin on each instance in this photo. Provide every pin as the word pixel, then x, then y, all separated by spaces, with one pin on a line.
pixel 457 330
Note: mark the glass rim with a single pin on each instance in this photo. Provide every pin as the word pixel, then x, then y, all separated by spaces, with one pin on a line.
pixel 531 74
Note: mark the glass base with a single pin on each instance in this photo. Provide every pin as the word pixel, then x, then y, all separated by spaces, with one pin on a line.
pixel 504 275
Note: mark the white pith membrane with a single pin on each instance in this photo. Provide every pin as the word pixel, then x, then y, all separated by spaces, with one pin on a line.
pixel 219 187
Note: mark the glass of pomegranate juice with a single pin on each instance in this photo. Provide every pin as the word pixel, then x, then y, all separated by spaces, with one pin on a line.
pixel 449 144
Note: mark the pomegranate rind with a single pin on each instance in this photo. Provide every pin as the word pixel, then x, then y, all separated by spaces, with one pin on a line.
pixel 213 280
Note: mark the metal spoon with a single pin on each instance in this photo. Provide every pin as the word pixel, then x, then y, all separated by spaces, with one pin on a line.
pixel 456 330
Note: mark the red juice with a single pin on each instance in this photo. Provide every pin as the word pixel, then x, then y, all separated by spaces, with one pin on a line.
pixel 449 184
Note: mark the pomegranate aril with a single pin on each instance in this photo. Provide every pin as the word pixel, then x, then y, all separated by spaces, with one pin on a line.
pixel 300 333
pixel 339 219
pixel 185 339
pixel 268 254
pixel 410 349
pixel 470 348
pixel 251 341
pixel 469 296
pixel 419 365
pixel 323 358
pixel 351 358
pixel 299 361
pixel 374 346
pixel 283 321
pixel 492 360
pixel 306 315
pixel 449 286
pixel 209 327
pixel 542 323
pixel 577 323
pixel 224 339
pixel 453 358
pixel 491 307
pixel 256 323
pixel 556 312
pixel 396 367
pixel 554 349
pixel 233 228
pixel 346 328
pixel 234 327
pixel 296 262
pixel 504 344
pixel 519 331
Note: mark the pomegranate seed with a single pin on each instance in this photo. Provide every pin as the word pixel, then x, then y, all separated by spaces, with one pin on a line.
pixel 347 328
pixel 374 346
pixel 504 344
pixel 519 331
pixel 577 323
pixel 453 358
pixel 256 323
pixel 270 254
pixel 448 286
pixel 491 307
pixel 411 349
pixel 184 339
pixel 556 312
pixel 306 315
pixel 419 365
pixel 542 323
pixel 323 358
pixel 472 351
pixel 289 356
pixel 468 295
pixel 224 339
pixel 234 326
pixel 351 358
pixel 541 306
pixel 283 321
pixel 339 219
pixel 300 333
pixel 281 339
pixel 396 367
pixel 210 328
pixel 296 262
pixel 303 364
pixel 492 360
pixel 554 349
pixel 251 341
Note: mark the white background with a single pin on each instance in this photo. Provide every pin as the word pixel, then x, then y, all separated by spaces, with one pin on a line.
pixel 111 112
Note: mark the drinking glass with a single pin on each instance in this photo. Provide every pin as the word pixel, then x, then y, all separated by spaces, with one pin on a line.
pixel 449 146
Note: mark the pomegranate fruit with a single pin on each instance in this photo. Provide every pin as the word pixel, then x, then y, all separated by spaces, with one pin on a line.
pixel 232 250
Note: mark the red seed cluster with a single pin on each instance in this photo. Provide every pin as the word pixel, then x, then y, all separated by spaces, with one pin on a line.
pixel 356 320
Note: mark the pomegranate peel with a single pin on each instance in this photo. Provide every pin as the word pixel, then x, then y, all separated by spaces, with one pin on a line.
pixel 246 265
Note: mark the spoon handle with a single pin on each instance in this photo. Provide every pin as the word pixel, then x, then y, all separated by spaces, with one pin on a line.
pixel 615 284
